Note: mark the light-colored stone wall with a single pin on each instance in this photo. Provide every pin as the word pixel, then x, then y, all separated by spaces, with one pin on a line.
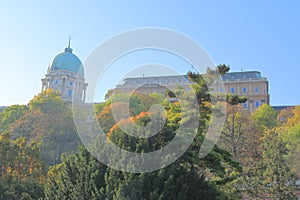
pixel 255 89
pixel 70 85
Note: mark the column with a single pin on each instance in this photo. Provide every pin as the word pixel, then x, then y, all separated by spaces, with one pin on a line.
pixel 47 83
pixel 84 92
pixel 43 84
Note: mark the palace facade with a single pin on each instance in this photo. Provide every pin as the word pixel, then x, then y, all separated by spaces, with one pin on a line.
pixel 250 84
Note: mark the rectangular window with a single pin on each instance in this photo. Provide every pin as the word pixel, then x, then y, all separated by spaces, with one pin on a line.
pixel 245 105
pixel 71 83
pixel 232 90
pixel 245 89
pixel 56 82
pixel 256 89
pixel 257 104
pixel 70 93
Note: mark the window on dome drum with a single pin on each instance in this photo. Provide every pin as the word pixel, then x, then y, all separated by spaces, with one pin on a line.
pixel 70 93
pixel 232 90
pixel 245 90
pixel 257 104
pixel 256 89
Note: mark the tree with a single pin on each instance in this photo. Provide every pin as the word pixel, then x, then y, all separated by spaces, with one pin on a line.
pixel 235 124
pixel 271 171
pixel 22 171
pixel 10 115
pixel 80 176
pixel 217 165
pixel 265 117
pixel 172 182
pixel 49 122
pixel 118 102
pixel 290 126
pixel 273 176
pixel 106 118
pixel 108 94
pixel 285 114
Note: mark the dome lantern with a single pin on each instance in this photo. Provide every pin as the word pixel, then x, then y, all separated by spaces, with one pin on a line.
pixel 68 49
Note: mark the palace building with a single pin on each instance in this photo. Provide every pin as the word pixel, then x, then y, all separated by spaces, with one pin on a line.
pixel 249 84
pixel 148 85
pixel 65 74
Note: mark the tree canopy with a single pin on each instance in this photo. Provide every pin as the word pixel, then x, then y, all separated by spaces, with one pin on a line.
pixel 256 155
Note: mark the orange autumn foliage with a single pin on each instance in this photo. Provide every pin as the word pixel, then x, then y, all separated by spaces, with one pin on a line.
pixel 131 120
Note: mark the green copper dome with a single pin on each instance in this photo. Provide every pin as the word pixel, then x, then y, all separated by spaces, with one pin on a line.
pixel 67 61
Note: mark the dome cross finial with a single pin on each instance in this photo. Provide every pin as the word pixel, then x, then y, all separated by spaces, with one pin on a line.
pixel 69 42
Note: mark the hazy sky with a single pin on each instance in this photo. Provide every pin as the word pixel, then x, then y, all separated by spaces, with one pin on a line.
pixel 253 35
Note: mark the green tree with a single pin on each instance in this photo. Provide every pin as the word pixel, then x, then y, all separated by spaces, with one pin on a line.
pixel 108 94
pixel 218 165
pixel 272 177
pixel 290 126
pixel 80 176
pixel 90 175
pixel 10 115
pixel 265 117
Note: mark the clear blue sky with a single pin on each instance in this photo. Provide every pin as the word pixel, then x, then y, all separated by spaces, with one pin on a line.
pixel 253 35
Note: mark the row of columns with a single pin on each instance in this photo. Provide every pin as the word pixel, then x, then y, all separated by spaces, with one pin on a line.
pixel 77 89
